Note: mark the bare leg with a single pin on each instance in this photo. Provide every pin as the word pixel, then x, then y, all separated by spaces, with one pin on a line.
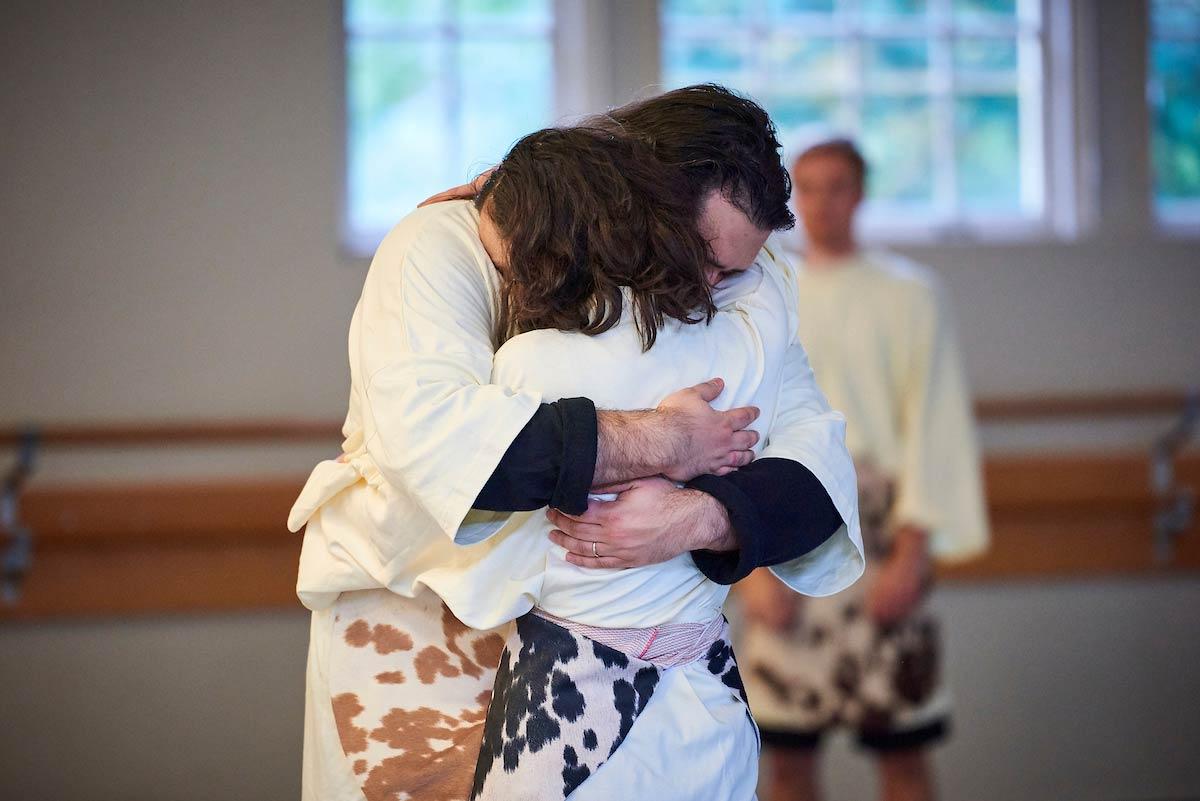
pixel 792 774
pixel 906 775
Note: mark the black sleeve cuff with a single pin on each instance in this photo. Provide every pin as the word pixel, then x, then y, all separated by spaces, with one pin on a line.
pixel 577 463
pixel 550 462
pixel 778 510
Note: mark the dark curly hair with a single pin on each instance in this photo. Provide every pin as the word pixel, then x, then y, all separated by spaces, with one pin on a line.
pixel 721 141
pixel 584 213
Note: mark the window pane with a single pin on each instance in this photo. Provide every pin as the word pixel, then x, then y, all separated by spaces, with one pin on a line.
pixel 898 143
pixel 894 8
pixel 936 92
pixel 375 13
pixel 988 159
pixel 689 61
pixel 798 112
pixel 969 10
pixel 973 54
pixel 493 114
pixel 703 9
pixel 789 8
pixel 1174 95
pixel 807 66
pixel 1175 18
pixel 799 119
pixel 397 149
pixel 1175 111
pixel 428 105
pixel 986 65
pixel 510 11
pixel 896 65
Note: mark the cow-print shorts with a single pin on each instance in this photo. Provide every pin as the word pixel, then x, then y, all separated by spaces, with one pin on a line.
pixel 838 668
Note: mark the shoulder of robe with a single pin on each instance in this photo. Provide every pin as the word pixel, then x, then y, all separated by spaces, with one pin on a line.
pixel 439 242
pixel 906 279
pixel 777 265
pixel 775 257
pixel 449 218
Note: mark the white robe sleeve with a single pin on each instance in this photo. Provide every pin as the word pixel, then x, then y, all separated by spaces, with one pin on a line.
pixel 807 431
pixel 421 342
pixel 939 485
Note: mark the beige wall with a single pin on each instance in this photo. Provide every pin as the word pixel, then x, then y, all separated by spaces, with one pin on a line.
pixel 173 709
pixel 170 186
pixel 170 195
pixel 169 180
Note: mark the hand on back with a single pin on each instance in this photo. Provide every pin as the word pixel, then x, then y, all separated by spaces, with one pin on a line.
pixel 702 439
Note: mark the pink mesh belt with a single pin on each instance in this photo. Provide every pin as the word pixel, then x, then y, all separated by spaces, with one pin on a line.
pixel 666 646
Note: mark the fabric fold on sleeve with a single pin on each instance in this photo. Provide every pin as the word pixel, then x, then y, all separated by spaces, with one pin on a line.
pixel 807 431
pixel 580 443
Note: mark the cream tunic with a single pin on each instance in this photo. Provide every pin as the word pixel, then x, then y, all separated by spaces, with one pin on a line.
pixel 883 349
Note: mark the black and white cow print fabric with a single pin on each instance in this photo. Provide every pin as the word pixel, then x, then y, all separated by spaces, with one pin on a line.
pixel 561 706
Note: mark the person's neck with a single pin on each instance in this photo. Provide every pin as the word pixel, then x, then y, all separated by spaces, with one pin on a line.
pixel 830 254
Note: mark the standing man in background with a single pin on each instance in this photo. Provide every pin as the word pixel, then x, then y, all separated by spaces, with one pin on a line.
pixel 876 329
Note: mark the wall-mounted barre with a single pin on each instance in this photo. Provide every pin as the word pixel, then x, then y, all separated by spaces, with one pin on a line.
pixel 1164 503
pixel 218 432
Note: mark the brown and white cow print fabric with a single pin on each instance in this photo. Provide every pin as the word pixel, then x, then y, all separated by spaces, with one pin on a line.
pixel 410 686
pixel 417 706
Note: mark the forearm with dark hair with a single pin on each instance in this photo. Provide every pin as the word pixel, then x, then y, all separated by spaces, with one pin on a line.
pixel 568 447
pixel 633 444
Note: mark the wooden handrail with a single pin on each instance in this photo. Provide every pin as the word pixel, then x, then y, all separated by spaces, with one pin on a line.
pixel 172 433
pixel 996 409
pixel 206 547
pixel 1117 404
pixel 107 514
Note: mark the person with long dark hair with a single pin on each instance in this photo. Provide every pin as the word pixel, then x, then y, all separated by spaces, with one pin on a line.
pixel 604 272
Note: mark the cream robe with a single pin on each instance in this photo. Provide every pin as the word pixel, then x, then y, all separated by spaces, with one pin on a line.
pixel 425 430
pixel 884 352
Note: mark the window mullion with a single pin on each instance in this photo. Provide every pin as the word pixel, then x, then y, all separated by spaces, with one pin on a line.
pixel 1031 131
pixel 946 201
pixel 852 31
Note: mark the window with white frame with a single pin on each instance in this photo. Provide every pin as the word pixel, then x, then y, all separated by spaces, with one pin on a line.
pixel 946 97
pixel 436 90
pixel 1174 96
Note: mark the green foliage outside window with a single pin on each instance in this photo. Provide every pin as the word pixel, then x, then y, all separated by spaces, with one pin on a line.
pixel 436 91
